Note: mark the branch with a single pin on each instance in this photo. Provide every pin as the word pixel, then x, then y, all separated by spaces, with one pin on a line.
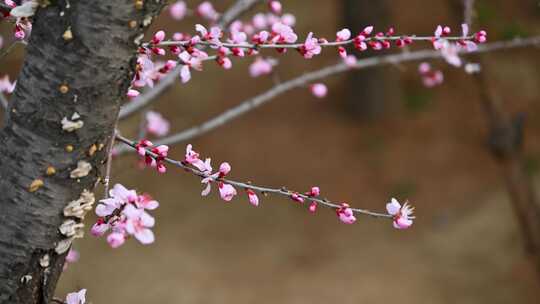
pixel 263 190
pixel 237 9
pixel 255 46
pixel 3 101
pixel 300 81
pixel 468 11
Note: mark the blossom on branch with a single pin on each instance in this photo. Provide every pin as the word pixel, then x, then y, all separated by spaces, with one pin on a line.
pixel 403 218
pixel 124 214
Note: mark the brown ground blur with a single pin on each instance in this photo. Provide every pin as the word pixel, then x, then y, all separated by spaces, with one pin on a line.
pixel 464 247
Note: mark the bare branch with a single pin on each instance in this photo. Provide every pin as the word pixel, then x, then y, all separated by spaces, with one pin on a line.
pixel 468 11
pixel 263 190
pixel 237 9
pixel 307 78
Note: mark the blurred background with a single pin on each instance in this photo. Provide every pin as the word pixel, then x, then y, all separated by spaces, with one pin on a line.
pixel 379 133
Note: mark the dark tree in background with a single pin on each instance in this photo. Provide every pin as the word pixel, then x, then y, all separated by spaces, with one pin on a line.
pixel 369 93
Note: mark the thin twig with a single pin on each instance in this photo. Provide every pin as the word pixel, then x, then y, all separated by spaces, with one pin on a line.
pixel 3 101
pixel 10 47
pixel 307 78
pixel 263 190
pixel 108 167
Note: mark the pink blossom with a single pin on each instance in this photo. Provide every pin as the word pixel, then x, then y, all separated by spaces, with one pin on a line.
pixel 225 62
pixel 71 257
pixel 142 145
pixel 189 62
pixel 313 207
pixel 297 198
pixel 315 191
pixel 402 214
pixel 178 10
pixel 207 11
pixel 310 47
pixel 319 90
pixel 224 169
pixel 145 201
pixel 204 167
pixel 253 198
pixel 159 36
pixel 343 35
pixel 156 124
pixel 76 297
pixel 226 191
pixel 261 67
pixel 350 61
pixel 116 239
pixel 288 19
pixel 131 93
pixel 275 6
pixel 450 52
pixel 10 3
pixel 283 33
pixel 6 86
pixel 138 223
pixel 430 77
pixel 191 155
pixel 259 21
pixel 99 228
pixel 345 214
pixel 213 35
pixel 480 37
pixel 145 72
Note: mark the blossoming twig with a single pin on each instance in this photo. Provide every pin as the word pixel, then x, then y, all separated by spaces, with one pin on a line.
pixel 299 45
pixel 300 81
pixel 236 10
pixel 248 186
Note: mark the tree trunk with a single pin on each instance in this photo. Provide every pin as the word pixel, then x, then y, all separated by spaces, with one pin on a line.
pixel 80 59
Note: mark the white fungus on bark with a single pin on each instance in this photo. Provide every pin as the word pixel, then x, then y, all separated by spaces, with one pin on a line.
pixel 82 170
pixel 70 228
pixel 79 207
pixel 72 124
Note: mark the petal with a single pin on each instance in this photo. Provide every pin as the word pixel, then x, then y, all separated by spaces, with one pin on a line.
pixel 145 236
pixel 393 207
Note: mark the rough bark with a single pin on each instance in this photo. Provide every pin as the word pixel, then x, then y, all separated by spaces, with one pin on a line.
pixel 88 74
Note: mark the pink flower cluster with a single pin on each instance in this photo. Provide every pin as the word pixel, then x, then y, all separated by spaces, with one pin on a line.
pixel 124 214
pixel 226 191
pixel 430 77
pixel 156 159
pixel 450 50
pixel 403 218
